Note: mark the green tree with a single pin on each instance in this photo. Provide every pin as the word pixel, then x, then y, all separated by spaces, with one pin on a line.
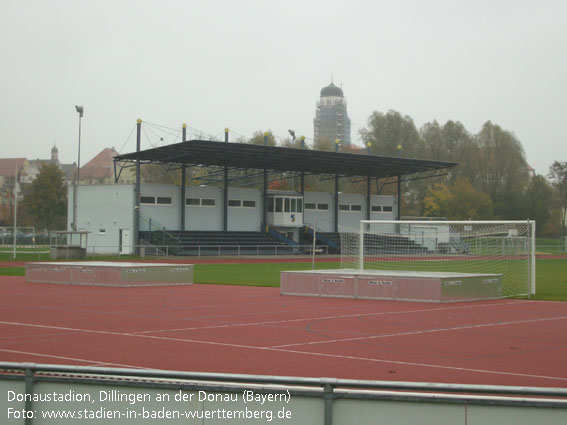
pixel 258 138
pixel 539 203
pixel 558 175
pixel 46 200
pixel 453 143
pixel 388 131
pixel 436 201
pixel 502 170
pixel 459 201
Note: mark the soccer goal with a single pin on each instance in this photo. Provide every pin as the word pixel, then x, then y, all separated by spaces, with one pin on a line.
pixel 501 247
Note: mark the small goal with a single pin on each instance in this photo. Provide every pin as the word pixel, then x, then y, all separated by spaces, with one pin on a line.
pixel 501 247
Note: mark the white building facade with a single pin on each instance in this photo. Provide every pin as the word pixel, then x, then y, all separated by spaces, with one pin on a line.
pixel 107 211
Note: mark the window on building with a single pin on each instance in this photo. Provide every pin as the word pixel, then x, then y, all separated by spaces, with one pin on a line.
pixel 286 204
pixel 234 203
pixel 279 205
pixel 270 204
pixel 344 207
pixel 293 205
pixel 355 207
pixel 299 205
pixel 249 204
pixel 208 202
pixel 194 202
pixel 164 200
pixel 376 208
pixel 147 200
pixel 323 207
pixel 310 206
pixel 387 208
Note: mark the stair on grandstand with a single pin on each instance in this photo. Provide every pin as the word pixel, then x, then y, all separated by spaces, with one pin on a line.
pixel 205 243
pixel 379 244
pixel 391 244
pixel 332 240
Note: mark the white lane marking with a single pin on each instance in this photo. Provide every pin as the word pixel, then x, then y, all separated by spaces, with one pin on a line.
pixel 423 331
pixel 342 316
pixel 51 356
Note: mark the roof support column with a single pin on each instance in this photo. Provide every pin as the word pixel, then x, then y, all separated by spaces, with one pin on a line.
pixel 136 223
pixel 183 178
pixel 399 212
pixel 225 191
pixel 368 181
pixel 265 195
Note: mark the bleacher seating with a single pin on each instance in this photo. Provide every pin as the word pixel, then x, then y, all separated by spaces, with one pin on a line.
pixel 205 243
pixel 378 244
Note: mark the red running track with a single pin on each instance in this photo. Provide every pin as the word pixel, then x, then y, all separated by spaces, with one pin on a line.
pixel 214 328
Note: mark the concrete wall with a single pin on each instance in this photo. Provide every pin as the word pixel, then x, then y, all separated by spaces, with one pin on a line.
pixel 111 207
pixel 325 219
pixel 204 217
pixel 103 210
pixel 242 218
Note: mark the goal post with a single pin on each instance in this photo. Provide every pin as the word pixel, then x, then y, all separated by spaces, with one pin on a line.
pixel 475 247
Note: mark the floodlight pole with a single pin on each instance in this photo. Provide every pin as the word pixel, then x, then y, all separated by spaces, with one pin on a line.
pixel 265 200
pixel 16 193
pixel 80 111
pixel 137 190
pixel 368 182
pixel 336 218
pixel 183 172
pixel 303 173
pixel 292 133
pixel 399 212
pixel 225 190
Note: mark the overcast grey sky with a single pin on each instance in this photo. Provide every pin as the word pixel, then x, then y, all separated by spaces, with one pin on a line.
pixel 252 65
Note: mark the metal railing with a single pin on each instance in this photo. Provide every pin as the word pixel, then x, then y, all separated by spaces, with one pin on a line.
pixel 328 401
pixel 214 250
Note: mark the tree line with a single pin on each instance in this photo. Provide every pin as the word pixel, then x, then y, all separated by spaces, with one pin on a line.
pixel 492 181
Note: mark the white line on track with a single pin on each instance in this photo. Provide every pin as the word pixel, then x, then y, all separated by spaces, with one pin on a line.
pixel 342 316
pixel 425 331
pixel 275 349
pixel 463 369
pixel 51 356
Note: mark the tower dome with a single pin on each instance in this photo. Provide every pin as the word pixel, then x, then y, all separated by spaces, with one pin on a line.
pixel 54 154
pixel 332 90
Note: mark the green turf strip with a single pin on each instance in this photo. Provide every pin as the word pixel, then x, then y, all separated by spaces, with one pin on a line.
pixel 259 274
pixel 551 274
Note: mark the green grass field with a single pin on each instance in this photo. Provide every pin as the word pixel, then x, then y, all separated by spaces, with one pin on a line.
pixel 551 274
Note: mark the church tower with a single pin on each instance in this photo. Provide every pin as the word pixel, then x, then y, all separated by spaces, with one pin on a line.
pixel 55 155
pixel 331 118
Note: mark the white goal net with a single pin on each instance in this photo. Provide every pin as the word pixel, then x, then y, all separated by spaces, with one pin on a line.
pixel 502 247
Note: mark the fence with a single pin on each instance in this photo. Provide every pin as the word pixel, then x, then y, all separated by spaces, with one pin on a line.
pixel 42 253
pixel 35 394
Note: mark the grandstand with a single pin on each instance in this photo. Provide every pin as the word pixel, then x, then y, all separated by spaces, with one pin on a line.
pixel 116 215
pixel 203 243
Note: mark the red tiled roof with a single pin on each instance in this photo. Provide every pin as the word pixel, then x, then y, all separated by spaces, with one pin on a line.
pixel 8 166
pixel 101 166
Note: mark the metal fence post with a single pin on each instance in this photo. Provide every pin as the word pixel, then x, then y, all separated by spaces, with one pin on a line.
pixel 29 390
pixel 328 397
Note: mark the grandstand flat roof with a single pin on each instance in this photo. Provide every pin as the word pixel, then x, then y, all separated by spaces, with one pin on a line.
pixel 249 156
